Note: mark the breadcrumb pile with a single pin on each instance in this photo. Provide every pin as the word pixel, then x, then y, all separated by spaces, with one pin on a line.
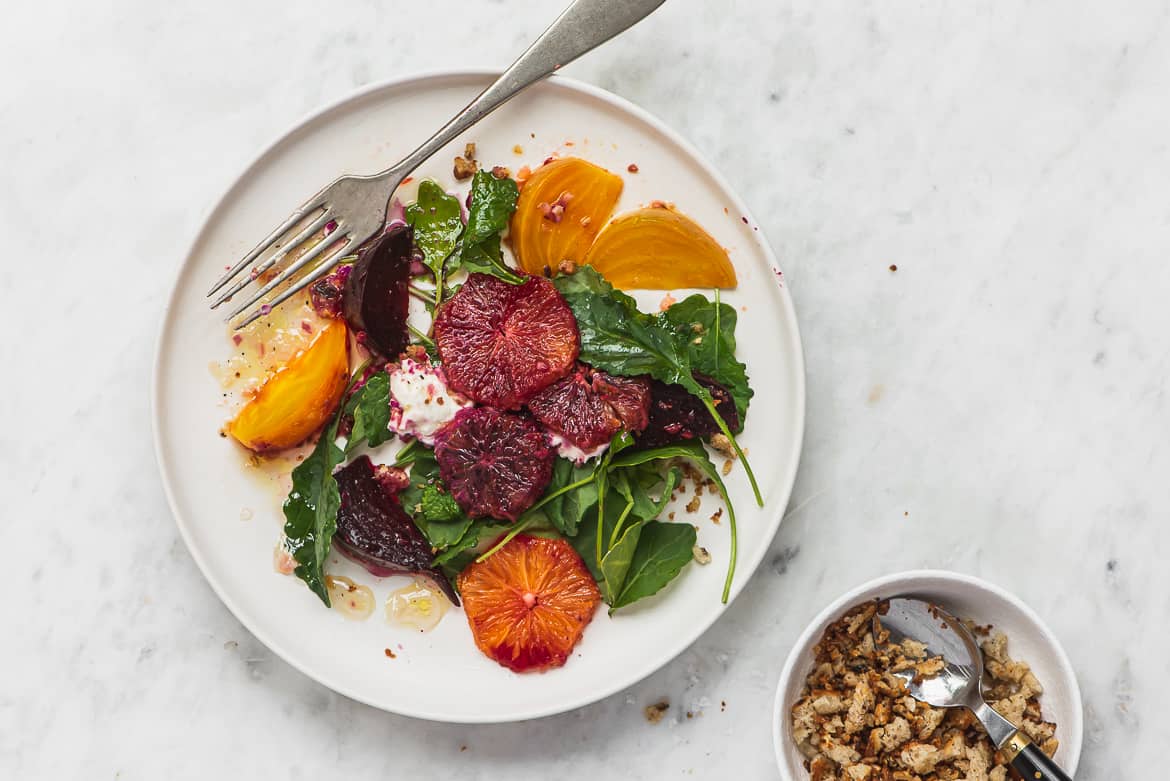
pixel 856 721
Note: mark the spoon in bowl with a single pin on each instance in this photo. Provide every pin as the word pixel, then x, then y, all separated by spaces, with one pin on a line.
pixel 960 683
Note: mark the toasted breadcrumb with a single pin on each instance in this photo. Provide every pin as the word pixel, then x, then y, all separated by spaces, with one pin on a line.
pixel 855 720
pixel 655 712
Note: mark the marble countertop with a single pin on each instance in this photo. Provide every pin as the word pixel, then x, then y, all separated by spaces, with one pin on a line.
pixel 997 405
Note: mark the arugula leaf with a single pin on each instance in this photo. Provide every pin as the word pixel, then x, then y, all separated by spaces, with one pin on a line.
pixel 621 441
pixel 437 220
pixel 617 338
pixel 585 541
pixel 493 200
pixel 709 332
pixel 433 510
pixel 645 478
pixel 310 510
pixel 370 408
pixel 617 561
pixel 697 455
pixel 663 550
pixel 566 510
pixel 462 552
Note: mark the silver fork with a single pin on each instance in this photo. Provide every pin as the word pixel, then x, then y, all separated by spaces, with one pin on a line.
pixel 353 209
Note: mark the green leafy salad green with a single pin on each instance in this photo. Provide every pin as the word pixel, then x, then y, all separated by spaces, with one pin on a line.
pixel 609 508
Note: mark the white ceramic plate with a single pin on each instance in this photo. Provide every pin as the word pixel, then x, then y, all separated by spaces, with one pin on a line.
pixel 1029 640
pixel 441 675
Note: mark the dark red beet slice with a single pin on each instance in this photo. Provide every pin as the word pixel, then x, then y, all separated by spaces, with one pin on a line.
pixel 374 530
pixel 587 407
pixel 377 295
pixel 677 416
pixel 503 343
pixel 494 463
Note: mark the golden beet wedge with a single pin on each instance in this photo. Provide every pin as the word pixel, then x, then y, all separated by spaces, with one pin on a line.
pixel 561 208
pixel 298 398
pixel 657 248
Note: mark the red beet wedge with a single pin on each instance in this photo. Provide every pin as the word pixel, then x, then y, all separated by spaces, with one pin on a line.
pixel 374 530
pixel 502 343
pixel 494 463
pixel 587 407
pixel 377 296
pixel 677 416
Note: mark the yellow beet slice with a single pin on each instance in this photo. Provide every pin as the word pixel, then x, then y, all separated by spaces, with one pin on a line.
pixel 563 205
pixel 298 398
pixel 658 248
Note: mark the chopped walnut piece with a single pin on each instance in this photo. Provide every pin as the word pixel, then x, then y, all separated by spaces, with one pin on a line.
pixel 701 556
pixel 721 443
pixel 464 168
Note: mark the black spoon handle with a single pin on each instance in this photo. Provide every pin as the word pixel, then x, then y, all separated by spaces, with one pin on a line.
pixel 1030 762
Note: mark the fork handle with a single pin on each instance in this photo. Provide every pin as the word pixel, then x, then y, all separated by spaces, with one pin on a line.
pixel 583 26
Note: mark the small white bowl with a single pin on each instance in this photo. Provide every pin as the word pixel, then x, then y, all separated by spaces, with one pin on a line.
pixel 1029 640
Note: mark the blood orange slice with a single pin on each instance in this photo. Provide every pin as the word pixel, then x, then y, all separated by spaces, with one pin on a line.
pixel 502 343
pixel 587 407
pixel 529 603
pixel 493 463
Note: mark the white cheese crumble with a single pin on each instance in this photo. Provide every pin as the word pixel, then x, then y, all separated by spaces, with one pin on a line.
pixel 567 450
pixel 420 403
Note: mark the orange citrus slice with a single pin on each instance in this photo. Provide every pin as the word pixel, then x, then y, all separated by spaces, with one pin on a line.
pixel 529 602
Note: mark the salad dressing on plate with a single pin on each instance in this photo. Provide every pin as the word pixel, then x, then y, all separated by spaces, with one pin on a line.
pixel 265 345
pixel 418 605
pixel 348 598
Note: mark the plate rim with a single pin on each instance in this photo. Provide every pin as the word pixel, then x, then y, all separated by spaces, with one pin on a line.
pixel 788 479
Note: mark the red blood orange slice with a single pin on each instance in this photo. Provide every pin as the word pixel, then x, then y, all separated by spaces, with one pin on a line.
pixel 494 463
pixel 587 407
pixel 501 343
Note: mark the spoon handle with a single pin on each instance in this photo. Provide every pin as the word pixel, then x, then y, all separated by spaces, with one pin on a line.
pixel 1030 762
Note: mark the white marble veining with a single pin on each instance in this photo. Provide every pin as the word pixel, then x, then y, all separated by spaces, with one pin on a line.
pixel 997 405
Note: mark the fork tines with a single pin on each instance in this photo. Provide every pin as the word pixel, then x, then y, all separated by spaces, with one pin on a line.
pixel 316 236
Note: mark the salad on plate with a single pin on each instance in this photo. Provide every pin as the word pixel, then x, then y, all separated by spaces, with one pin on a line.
pixel 474 400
